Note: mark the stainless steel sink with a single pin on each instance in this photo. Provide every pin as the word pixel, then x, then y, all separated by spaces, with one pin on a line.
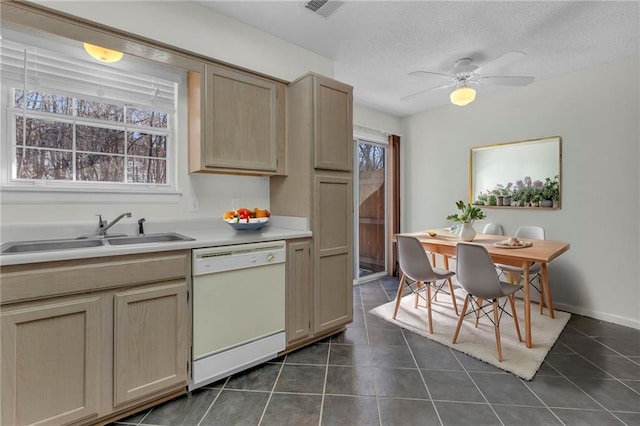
pixel 150 238
pixel 48 245
pixel 101 237
pixel 19 247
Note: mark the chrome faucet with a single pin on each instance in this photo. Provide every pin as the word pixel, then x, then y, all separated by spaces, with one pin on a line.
pixel 103 226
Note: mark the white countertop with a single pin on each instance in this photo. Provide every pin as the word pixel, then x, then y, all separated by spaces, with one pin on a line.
pixel 206 233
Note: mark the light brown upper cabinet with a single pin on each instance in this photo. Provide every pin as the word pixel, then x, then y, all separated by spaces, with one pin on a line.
pixel 236 122
pixel 333 129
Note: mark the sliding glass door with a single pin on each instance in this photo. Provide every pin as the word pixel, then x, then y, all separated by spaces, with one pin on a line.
pixel 371 203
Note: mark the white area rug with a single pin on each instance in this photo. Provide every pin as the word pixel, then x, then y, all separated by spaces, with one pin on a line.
pixel 480 342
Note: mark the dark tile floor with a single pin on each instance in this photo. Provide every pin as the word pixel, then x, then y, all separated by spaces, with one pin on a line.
pixel 375 373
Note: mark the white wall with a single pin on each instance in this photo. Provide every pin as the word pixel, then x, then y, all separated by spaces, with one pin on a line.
pixel 367 120
pixel 596 113
pixel 192 27
pixel 199 29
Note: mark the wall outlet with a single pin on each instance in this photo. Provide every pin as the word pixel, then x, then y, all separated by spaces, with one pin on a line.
pixel 195 204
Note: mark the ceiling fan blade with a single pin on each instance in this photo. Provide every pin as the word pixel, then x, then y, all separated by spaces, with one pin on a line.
pixel 500 62
pixel 497 80
pixel 420 73
pixel 413 95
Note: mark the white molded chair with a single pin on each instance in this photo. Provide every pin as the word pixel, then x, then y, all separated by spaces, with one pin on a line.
pixel 476 274
pixel 536 233
pixel 417 270
pixel 493 228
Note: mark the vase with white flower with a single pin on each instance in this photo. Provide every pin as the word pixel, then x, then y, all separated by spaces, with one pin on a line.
pixel 467 214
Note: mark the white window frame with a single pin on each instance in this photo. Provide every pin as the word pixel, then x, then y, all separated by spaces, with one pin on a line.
pixel 22 191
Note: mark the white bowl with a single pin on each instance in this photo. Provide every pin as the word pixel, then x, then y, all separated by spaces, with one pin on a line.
pixel 255 223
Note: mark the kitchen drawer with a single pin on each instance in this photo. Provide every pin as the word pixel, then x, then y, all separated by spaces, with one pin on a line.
pixel 47 279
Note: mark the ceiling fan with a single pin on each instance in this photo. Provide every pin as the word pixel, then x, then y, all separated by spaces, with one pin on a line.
pixel 466 74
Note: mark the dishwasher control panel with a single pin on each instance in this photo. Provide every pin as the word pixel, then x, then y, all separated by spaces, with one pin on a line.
pixel 240 256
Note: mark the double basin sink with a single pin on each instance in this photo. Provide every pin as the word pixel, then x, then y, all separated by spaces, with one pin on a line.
pixel 23 247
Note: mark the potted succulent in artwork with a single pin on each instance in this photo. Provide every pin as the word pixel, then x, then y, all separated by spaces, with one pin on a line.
pixel 535 199
pixel 481 200
pixel 518 193
pixel 527 196
pixel 498 193
pixel 467 214
pixel 550 192
pixel 515 199
pixel 507 194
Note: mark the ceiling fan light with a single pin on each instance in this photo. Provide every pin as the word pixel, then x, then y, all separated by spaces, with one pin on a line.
pixel 103 54
pixel 463 95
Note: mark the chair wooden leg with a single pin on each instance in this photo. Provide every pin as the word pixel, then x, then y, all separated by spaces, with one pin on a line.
pixel 462 315
pixel 429 308
pixel 446 266
pixel 433 263
pixel 479 299
pixel 496 326
pixel 453 297
pixel 403 279
pixel 416 298
pixel 512 301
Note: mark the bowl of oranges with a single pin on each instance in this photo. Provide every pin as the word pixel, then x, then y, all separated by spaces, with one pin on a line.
pixel 245 219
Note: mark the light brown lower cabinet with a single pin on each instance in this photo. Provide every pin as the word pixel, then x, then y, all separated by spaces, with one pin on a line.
pixel 118 343
pixel 150 335
pixel 319 271
pixel 298 291
pixel 333 251
pixel 50 361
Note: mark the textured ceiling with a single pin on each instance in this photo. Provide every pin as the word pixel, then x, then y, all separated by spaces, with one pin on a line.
pixel 375 44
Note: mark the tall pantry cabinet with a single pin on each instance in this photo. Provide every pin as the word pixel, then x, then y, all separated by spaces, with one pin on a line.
pixel 318 185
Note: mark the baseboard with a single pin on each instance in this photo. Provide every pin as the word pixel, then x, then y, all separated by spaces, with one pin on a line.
pixel 627 322
pixel 616 319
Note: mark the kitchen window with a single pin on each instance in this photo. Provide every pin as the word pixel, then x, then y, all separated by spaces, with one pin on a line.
pixel 70 139
pixel 73 124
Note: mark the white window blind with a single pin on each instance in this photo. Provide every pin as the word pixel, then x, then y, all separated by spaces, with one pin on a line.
pixel 38 68
pixel 75 123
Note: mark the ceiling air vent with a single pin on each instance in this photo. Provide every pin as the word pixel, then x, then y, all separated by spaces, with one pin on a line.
pixel 323 7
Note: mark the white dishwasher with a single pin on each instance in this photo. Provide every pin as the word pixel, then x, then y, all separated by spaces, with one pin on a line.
pixel 238 308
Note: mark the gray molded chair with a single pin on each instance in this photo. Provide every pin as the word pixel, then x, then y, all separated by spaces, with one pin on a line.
pixel 476 274
pixel 489 228
pixel 417 273
pixel 536 233
pixel 493 228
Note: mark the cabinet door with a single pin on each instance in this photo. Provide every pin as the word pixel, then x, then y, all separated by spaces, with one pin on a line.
pixel 242 121
pixel 332 235
pixel 50 359
pixel 333 125
pixel 151 340
pixel 298 290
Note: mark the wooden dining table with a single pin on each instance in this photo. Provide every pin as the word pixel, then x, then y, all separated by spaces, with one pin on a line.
pixel 542 251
